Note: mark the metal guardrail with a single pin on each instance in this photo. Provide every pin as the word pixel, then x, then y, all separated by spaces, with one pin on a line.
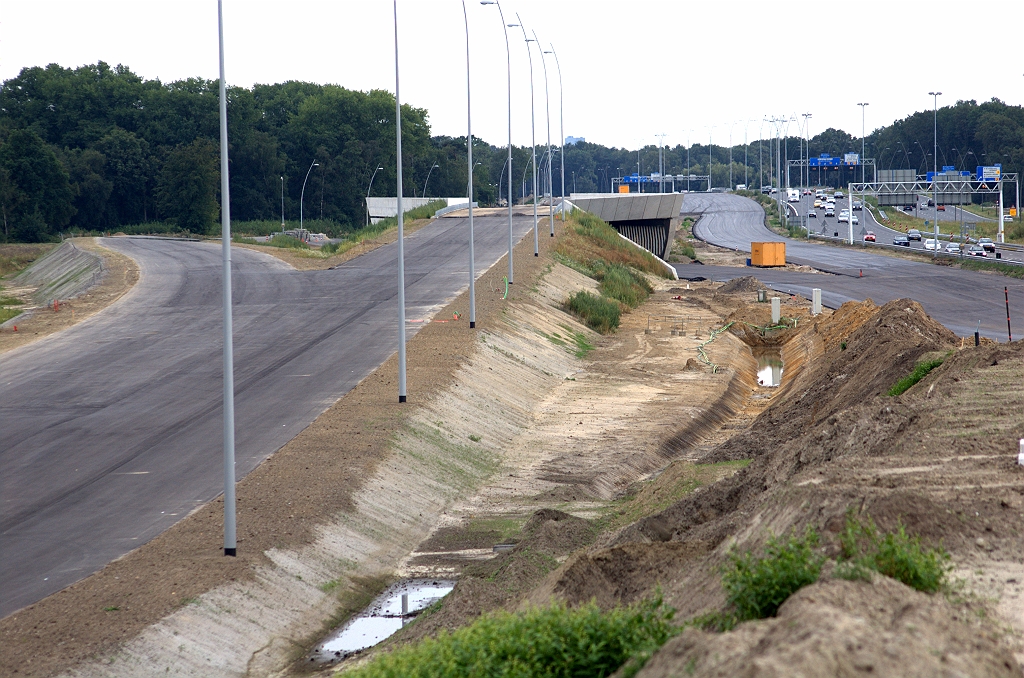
pixel 453 208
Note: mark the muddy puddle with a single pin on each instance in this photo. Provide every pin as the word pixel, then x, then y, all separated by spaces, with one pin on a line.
pixel 769 366
pixel 384 616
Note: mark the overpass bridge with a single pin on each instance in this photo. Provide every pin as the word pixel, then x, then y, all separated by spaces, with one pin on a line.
pixel 643 218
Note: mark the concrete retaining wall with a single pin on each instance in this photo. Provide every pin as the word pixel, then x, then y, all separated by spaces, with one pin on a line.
pixel 63 273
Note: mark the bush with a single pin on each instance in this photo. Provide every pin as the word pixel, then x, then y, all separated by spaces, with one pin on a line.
pixel 623 284
pixel 551 642
pixel 597 312
pixel 757 587
pixel 895 555
pixel 921 370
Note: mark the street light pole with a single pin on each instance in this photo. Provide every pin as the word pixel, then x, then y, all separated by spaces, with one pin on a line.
pixel 469 190
pixel 229 360
pixel 282 203
pixel 508 72
pixel 561 126
pixel 935 158
pixel 862 131
pixel 807 144
pixel 710 130
pixel 547 110
pixel 533 134
pixel 303 195
pixel 435 166
pixel 379 168
pixel 402 395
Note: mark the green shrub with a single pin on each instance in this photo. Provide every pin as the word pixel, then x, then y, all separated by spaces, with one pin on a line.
pixel 551 642
pixel 755 587
pixel 920 371
pixel 895 555
pixel 623 284
pixel 597 312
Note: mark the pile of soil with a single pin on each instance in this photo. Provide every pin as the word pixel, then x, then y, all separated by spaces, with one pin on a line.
pixel 747 283
pixel 842 628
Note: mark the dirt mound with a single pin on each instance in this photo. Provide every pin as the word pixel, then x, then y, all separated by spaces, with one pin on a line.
pixel 747 283
pixel 841 628
pixel 843 321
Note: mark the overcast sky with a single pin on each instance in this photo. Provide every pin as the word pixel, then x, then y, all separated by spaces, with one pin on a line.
pixel 632 70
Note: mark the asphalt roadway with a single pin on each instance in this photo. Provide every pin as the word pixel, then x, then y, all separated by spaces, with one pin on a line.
pixel 112 429
pixel 957 298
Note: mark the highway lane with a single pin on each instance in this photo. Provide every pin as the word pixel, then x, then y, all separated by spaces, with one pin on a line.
pixel 958 299
pixel 112 429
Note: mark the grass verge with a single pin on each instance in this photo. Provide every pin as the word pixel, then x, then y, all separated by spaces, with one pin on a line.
pixel 895 555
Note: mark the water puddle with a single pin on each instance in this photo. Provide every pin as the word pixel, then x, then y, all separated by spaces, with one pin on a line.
pixel 386 614
pixel 769 366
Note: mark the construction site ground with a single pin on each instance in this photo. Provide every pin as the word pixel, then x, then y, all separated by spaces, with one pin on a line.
pixel 618 466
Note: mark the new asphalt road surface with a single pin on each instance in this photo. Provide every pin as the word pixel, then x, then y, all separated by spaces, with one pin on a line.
pixel 112 429
pixel 959 299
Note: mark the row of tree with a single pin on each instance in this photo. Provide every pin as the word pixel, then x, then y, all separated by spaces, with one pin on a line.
pixel 98 148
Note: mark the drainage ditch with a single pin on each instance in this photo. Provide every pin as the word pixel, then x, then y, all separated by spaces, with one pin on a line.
pixel 769 365
pixel 388 613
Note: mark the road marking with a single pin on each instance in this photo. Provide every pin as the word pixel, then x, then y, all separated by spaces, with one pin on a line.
pixel 131 473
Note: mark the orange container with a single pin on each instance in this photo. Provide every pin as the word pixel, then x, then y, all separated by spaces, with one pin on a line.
pixel 767 254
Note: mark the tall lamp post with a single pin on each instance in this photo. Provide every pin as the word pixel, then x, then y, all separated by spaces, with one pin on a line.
pixel 935 159
pixel 229 360
pixel 807 144
pixel 533 134
pixel 547 110
pixel 710 130
pixel 469 189
pixel 282 204
pixel 433 167
pixel 862 130
pixel 303 194
pixel 561 125
pixel 379 168
pixel 401 224
pixel 508 73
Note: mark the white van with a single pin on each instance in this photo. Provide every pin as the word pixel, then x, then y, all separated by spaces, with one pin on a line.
pixel 793 194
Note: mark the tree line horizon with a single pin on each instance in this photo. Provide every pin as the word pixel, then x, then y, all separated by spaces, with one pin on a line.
pixel 98 148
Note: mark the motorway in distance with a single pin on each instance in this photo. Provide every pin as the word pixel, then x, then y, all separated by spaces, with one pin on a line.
pixel 822 225
pixel 112 428
pixel 959 299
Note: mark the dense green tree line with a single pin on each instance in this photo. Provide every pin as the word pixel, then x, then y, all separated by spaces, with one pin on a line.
pixel 97 148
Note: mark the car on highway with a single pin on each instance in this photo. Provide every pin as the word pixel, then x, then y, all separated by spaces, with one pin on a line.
pixel 854 220
pixel 909 209
pixel 869 236
pixel 831 200
pixel 819 193
pixel 976 251
pixel 817 203
pixel 952 248
pixel 931 244
pixel 987 244
pixel 930 203
pixel 807 191
pixel 830 211
pixel 914 234
pixel 839 194
pixel 858 205
pixel 812 215
pixel 941 208
pixel 901 241
pixel 844 216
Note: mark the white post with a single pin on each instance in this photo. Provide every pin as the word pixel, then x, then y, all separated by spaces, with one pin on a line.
pixel 229 361
pixel 401 227
pixel 815 301
pixel 533 139
pixel 849 201
pixel 1000 185
pixel 469 153
pixel 776 310
pixel 547 109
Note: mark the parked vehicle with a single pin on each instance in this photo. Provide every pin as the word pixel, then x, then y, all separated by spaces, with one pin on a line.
pixel 987 244
pixel 869 236
pixel 914 234
pixel 901 241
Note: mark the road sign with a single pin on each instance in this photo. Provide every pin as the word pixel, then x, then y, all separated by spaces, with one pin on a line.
pixel 948 168
pixel 851 159
pixel 989 173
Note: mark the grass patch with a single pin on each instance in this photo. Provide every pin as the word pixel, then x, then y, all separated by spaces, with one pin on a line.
pixel 1008 270
pixel 895 555
pixel 920 371
pixel 552 641
pixel 583 345
pixel 10 301
pixel 8 313
pixel 589 240
pixel 622 284
pixel 599 313
pixel 280 240
pixel 15 257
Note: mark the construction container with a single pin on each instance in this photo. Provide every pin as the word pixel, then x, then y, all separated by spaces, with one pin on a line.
pixel 768 254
